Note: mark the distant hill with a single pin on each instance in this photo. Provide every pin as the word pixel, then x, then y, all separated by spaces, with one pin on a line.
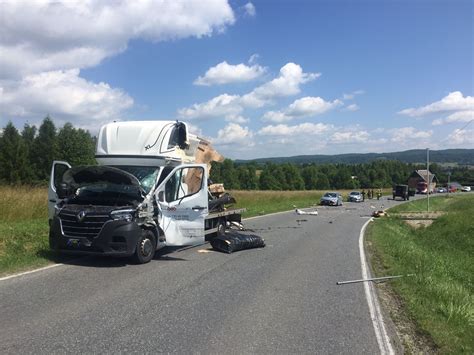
pixel 446 156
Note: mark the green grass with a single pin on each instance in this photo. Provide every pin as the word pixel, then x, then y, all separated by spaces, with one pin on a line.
pixel 440 296
pixel 264 202
pixel 437 203
pixel 23 245
pixel 23 229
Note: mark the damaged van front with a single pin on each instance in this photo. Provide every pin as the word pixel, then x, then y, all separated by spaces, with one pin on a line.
pixel 104 210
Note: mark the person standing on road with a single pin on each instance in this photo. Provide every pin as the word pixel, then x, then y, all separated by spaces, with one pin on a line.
pixel 363 195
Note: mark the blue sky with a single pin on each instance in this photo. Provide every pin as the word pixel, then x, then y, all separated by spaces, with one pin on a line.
pixel 260 78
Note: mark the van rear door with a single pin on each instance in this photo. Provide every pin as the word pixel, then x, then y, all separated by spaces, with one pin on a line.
pixel 57 171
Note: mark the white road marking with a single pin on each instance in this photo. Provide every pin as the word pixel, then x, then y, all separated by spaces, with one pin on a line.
pixel 374 307
pixel 29 272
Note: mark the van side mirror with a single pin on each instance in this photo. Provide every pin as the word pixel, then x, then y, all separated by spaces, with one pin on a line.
pixel 63 190
pixel 161 196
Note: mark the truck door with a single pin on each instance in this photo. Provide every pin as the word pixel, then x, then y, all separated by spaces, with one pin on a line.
pixel 57 171
pixel 183 202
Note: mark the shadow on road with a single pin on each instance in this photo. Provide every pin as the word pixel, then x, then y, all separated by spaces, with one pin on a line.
pixel 103 261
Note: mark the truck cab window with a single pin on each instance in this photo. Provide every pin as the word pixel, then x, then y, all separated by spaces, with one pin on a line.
pixel 184 182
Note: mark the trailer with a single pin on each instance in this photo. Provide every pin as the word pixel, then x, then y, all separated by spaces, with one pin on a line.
pixel 149 191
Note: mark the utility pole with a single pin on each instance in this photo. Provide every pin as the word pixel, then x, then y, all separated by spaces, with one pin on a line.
pixel 428 175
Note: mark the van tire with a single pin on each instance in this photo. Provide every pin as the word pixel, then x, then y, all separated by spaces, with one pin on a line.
pixel 145 248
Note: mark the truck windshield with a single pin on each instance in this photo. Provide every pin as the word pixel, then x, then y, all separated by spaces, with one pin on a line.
pixel 145 174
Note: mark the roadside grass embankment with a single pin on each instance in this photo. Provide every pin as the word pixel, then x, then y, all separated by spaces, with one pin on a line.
pixel 23 228
pixel 439 298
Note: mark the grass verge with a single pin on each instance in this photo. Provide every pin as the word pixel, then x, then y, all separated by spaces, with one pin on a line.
pixel 439 298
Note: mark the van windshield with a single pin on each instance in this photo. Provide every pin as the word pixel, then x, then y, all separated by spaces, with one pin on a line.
pixel 146 175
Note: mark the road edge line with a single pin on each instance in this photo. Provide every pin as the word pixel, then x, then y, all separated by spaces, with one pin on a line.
pixel 381 334
pixel 29 272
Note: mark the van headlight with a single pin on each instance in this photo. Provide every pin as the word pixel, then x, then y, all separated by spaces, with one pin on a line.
pixel 57 209
pixel 122 215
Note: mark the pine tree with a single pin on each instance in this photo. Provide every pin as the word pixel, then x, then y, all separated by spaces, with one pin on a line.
pixel 45 149
pixel 28 135
pixel 13 156
pixel 75 146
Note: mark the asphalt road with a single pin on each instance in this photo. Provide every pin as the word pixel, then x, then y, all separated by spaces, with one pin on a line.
pixel 282 298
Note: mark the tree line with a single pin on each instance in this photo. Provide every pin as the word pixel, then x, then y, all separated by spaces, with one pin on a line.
pixel 26 157
pixel 287 176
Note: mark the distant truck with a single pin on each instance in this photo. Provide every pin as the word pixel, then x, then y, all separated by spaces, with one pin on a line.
pixel 150 190
pixel 401 191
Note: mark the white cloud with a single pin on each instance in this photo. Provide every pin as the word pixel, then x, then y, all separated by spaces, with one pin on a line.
pixel 460 116
pixel 249 9
pixel 63 94
pixel 461 137
pixel 220 106
pixel 409 135
pixel 224 73
pixel 286 84
pixel 42 36
pixel 350 137
pixel 352 107
pixel 276 116
pixel 44 45
pixel 310 106
pixel 306 129
pixel 454 101
pixel 304 107
pixel 352 95
pixel 234 134
pixel 237 119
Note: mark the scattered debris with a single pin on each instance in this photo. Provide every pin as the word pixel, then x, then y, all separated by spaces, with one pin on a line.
pixel 234 242
pixel 309 213
pixel 374 279
pixel 235 224
pixel 379 213
pixel 205 251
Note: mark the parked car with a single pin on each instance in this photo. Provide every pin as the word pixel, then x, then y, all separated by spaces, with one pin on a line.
pixel 355 196
pixel 331 199
pixel 441 190
pixel 466 188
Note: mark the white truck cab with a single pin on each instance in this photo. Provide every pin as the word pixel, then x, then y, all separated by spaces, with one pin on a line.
pixel 149 190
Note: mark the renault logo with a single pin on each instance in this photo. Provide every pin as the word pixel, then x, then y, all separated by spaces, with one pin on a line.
pixel 80 216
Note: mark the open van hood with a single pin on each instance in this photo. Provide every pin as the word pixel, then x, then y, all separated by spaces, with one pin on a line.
pixel 86 175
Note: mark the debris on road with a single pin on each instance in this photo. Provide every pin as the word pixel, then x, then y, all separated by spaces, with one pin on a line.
pixel 379 213
pixel 231 242
pixel 309 213
pixel 374 279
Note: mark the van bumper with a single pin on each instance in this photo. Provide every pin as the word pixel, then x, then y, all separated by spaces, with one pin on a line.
pixel 116 238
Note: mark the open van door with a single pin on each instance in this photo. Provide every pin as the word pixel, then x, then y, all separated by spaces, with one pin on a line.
pixel 57 171
pixel 183 202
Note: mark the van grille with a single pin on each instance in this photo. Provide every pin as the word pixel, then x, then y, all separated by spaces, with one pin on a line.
pixel 89 227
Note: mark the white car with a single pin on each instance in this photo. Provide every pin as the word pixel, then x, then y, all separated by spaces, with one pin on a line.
pixel 466 188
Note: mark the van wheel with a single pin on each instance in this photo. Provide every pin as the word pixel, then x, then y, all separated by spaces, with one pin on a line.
pixel 146 247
